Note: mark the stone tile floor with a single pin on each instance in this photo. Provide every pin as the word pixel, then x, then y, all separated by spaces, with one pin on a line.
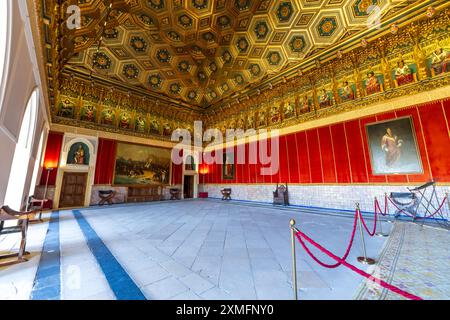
pixel 206 249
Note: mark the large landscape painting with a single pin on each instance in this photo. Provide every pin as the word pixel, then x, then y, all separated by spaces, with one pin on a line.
pixel 393 147
pixel 142 165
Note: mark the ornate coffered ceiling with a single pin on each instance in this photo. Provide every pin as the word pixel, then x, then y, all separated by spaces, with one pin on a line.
pixel 201 52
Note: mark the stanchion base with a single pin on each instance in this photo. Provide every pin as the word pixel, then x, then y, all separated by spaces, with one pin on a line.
pixel 364 260
pixel 383 235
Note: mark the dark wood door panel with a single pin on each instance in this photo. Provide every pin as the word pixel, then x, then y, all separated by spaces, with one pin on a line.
pixel 73 190
pixel 188 187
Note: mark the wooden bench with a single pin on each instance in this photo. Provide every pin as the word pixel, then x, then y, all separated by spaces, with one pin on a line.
pixel 144 193
pixel 226 194
pixel 281 195
pixel 22 219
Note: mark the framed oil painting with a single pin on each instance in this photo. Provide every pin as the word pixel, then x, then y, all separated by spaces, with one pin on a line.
pixel 393 147
pixel 228 166
pixel 142 165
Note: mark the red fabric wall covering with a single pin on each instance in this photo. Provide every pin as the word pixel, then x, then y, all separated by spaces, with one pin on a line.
pixel 177 171
pixel 355 152
pixel 294 169
pixel 51 157
pixel 276 176
pixel 240 168
pixel 106 158
pixel 339 153
pixel 436 135
pixel 260 175
pixel 315 157
pixel 177 174
pixel 252 166
pixel 446 108
pixel 327 155
pixel 284 175
pixel 303 157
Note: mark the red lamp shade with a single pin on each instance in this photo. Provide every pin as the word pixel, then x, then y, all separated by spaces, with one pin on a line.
pixel 204 170
pixel 50 165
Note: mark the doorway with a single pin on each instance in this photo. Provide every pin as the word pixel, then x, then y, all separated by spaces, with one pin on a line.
pixel 188 189
pixel 73 189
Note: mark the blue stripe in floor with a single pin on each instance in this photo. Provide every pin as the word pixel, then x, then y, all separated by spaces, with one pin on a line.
pixel 47 283
pixel 120 282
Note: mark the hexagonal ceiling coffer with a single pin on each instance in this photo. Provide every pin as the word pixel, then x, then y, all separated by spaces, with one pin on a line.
pixel 130 71
pixel 157 5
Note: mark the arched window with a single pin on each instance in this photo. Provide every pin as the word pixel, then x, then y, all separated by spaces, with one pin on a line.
pixel 19 169
pixel 37 164
pixel 4 44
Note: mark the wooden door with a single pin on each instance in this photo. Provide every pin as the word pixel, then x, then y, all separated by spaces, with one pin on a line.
pixel 188 187
pixel 73 190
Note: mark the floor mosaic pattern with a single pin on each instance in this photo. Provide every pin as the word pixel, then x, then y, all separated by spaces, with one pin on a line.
pixel 416 259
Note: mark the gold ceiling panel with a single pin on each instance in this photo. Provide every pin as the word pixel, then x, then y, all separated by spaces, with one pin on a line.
pixel 203 51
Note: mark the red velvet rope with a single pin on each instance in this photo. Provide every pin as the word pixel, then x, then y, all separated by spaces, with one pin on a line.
pixel 340 261
pixel 347 252
pixel 377 207
pixel 374 223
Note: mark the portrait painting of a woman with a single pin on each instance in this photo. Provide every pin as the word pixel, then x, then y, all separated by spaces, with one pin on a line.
pixel 393 147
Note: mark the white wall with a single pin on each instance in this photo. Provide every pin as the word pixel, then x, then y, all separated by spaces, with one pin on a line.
pixel 21 78
pixel 324 196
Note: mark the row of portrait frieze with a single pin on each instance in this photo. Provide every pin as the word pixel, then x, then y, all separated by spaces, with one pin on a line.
pixel 90 106
pixel 358 104
pixel 393 63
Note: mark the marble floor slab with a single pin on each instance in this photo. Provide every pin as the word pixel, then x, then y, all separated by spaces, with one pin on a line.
pixel 207 249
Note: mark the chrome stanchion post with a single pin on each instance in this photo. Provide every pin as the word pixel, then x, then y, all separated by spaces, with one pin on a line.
pixel 294 259
pixel 364 259
pixel 380 223
pixel 388 219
